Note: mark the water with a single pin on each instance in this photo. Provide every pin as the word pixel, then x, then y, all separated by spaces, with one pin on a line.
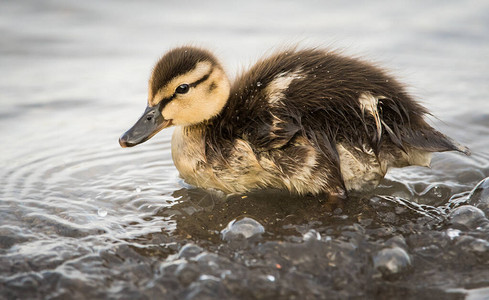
pixel 82 218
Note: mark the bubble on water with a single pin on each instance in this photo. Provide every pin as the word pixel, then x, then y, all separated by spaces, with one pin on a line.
pixel 102 212
pixel 467 217
pixel 479 196
pixel 468 244
pixel 453 233
pixel 397 241
pixel 138 190
pixel 480 245
pixel 209 259
pixel 189 251
pixel 226 273
pixel 431 251
pixel 246 227
pixel 392 261
pixel 205 277
pixel 436 191
pixel 311 235
pixel 187 273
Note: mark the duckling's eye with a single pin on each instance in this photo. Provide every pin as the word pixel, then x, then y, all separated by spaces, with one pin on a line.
pixel 182 88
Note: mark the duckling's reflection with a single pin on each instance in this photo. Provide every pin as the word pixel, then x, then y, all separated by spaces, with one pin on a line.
pixel 202 214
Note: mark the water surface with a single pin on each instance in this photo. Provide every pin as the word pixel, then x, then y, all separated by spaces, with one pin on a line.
pixel 82 218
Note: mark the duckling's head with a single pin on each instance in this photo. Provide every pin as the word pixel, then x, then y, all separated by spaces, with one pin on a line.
pixel 188 86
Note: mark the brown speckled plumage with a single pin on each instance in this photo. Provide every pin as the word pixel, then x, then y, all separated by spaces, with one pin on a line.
pixel 309 121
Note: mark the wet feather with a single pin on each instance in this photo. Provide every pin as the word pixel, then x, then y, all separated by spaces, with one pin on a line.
pixel 310 121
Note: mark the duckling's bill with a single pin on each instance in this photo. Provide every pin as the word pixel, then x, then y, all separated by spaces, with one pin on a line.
pixel 149 124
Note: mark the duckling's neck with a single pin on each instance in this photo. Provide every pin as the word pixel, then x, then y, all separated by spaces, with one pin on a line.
pixel 195 129
pixel 188 149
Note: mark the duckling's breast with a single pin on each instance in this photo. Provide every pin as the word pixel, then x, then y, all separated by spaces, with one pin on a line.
pixel 235 169
pixel 239 168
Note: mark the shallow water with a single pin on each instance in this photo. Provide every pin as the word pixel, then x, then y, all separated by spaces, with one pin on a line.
pixel 82 218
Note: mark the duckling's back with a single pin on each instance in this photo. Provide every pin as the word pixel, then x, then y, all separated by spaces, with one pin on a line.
pixel 316 122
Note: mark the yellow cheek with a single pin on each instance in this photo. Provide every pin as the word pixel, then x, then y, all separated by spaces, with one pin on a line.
pixel 200 103
pixel 186 111
pixel 181 112
pixel 170 110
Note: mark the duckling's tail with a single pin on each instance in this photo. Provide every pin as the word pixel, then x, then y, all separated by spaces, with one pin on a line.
pixel 460 148
pixel 431 140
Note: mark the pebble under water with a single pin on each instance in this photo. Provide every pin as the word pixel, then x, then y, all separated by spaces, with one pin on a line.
pixel 81 218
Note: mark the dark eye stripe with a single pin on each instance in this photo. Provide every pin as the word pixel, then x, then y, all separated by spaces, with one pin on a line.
pixel 204 78
pixel 166 100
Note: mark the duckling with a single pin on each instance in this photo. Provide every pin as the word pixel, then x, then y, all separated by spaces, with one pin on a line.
pixel 309 121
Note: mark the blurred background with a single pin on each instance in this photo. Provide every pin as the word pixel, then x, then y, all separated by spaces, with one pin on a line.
pixel 58 49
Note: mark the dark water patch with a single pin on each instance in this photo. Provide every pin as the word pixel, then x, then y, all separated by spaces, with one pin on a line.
pixel 260 245
pixel 479 196
pixel 375 246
